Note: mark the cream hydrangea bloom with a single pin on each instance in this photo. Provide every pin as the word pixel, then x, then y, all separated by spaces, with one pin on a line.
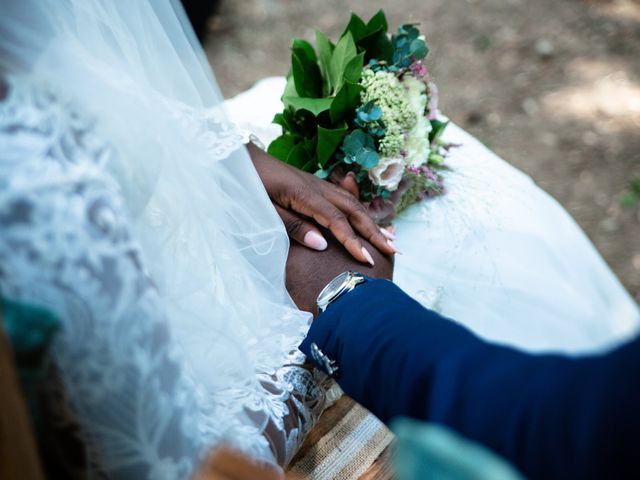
pixel 385 90
pixel 417 143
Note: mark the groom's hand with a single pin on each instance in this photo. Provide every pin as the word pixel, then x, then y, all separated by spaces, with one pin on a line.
pixel 308 272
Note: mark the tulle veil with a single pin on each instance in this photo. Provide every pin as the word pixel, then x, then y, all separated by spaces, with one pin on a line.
pixel 212 243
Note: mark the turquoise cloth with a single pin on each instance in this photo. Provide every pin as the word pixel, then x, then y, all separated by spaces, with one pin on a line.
pixel 30 331
pixel 429 451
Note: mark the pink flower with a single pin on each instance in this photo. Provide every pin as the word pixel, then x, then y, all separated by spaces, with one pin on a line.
pixel 419 70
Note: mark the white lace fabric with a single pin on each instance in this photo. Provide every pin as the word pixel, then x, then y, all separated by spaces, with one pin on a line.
pixel 67 244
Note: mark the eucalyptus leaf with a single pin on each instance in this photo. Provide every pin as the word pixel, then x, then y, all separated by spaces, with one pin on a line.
pixel 324 173
pixel 418 49
pixel 359 147
pixel 375 113
pixel 367 158
pixel 352 144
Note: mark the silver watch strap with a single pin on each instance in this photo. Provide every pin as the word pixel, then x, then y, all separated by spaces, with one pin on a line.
pixel 351 281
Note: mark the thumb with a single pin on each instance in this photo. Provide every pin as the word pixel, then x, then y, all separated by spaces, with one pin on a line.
pixel 302 231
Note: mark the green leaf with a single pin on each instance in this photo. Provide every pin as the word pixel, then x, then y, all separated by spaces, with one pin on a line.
pixel 353 70
pixel 437 129
pixel 328 142
pixel 377 45
pixel 308 167
pixel 345 102
pixel 306 74
pixel 284 120
pixel 378 22
pixel 290 88
pixel 278 119
pixel 436 159
pixel 315 105
pixel 281 147
pixel 356 27
pixel 345 50
pixel 299 156
pixel 325 50
pixel 310 53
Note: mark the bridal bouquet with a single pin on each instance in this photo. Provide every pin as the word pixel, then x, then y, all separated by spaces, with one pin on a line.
pixel 365 105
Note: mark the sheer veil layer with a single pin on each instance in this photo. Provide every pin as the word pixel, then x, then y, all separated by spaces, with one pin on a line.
pixel 211 243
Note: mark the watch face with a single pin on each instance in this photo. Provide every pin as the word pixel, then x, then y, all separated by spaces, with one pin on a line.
pixel 333 288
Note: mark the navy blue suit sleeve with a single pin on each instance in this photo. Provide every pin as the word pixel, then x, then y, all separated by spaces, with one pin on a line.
pixel 552 416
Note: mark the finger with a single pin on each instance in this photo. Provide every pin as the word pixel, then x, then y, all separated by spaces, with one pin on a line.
pixel 348 182
pixel 329 216
pixel 359 218
pixel 301 230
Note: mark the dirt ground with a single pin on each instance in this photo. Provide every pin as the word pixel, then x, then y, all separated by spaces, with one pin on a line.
pixel 551 86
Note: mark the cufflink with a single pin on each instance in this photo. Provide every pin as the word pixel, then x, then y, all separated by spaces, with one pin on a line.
pixel 327 365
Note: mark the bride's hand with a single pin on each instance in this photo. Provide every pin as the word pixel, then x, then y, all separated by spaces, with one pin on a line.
pixel 300 197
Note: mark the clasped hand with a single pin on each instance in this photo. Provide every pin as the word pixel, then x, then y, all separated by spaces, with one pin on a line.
pixel 304 200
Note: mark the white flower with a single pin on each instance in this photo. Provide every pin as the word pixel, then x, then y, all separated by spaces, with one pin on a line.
pixel 417 146
pixel 388 172
pixel 417 141
pixel 416 94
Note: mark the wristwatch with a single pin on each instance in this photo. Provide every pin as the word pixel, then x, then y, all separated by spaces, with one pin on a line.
pixel 343 283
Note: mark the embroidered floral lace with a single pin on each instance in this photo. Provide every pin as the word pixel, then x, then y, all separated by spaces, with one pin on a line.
pixel 66 244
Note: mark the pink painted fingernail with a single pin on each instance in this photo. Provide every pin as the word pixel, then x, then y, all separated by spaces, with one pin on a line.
pixel 314 240
pixel 393 247
pixel 388 235
pixel 368 256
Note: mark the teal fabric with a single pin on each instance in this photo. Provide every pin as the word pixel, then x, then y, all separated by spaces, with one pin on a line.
pixel 30 331
pixel 429 451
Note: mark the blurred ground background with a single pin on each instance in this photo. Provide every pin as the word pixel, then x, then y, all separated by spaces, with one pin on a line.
pixel 551 86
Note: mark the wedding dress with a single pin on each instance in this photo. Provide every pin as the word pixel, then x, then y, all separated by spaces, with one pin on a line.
pixel 495 252
pixel 130 209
